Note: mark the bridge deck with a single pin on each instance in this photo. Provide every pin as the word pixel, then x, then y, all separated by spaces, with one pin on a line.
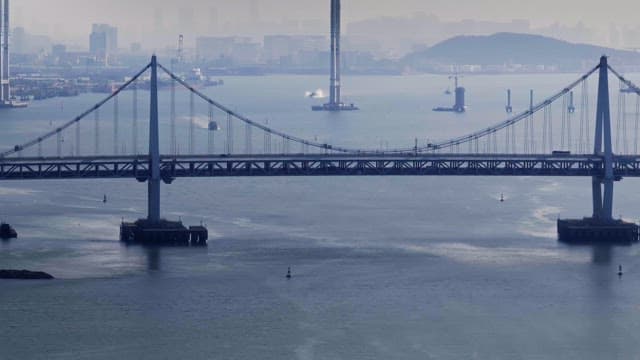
pixel 315 165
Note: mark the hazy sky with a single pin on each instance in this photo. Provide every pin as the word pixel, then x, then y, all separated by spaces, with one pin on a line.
pixel 70 20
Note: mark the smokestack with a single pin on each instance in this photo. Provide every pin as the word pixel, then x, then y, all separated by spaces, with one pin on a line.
pixel 6 90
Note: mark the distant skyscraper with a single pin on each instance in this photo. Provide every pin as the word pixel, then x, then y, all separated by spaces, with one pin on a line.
pixel 110 37
pixel 103 41
pixel 58 53
pixel 98 43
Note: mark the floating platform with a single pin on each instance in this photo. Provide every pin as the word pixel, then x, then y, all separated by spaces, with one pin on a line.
pixel 459 105
pixel 335 107
pixel 593 231
pixel 164 233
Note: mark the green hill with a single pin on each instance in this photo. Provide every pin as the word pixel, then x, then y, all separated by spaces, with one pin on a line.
pixel 511 48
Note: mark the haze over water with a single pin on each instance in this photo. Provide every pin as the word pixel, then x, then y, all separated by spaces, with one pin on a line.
pixel 383 267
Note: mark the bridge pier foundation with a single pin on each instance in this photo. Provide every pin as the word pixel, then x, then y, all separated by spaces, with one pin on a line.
pixel 164 232
pixel 601 227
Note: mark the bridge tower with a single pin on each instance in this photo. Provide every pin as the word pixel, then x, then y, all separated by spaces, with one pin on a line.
pixel 4 70
pixel 154 149
pixel 603 207
pixel 335 103
pixel 601 227
pixel 154 230
pixel 6 99
pixel 334 91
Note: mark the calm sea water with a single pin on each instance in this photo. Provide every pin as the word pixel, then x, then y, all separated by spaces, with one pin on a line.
pixel 383 268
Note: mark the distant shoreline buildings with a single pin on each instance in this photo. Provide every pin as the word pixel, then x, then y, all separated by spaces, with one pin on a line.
pixel 363 51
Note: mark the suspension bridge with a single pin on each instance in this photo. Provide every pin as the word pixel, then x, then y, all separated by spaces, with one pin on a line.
pixel 529 143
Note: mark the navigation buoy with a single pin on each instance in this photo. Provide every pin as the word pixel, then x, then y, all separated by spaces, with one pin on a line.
pixel 289 272
pixel 104 199
pixel 501 197
pixel 620 270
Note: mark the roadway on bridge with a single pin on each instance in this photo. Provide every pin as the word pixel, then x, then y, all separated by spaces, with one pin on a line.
pixel 317 165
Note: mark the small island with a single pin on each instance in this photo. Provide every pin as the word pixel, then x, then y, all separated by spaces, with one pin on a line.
pixel 25 275
pixel 7 232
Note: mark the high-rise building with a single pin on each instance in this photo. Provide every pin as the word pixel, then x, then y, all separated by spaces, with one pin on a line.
pixel 24 43
pixel 103 41
pixel 98 43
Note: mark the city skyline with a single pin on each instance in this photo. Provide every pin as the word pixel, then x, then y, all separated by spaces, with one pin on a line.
pixel 157 23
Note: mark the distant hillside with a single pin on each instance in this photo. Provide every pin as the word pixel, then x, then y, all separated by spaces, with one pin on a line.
pixel 511 48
